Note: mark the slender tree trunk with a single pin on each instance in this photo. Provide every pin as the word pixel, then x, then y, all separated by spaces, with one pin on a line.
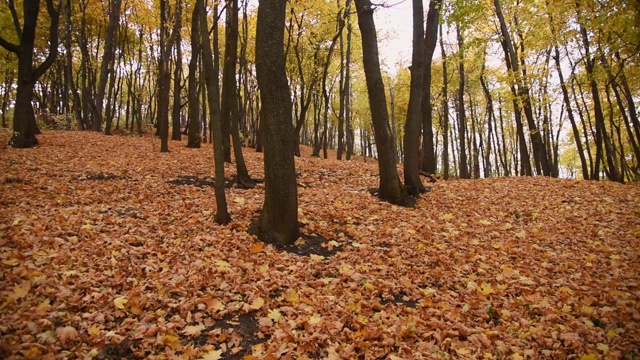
pixel 222 214
pixel 193 137
pixel 445 109
pixel 430 40
pixel 602 137
pixel 176 118
pixel 390 187
pixel 412 127
pixel 463 168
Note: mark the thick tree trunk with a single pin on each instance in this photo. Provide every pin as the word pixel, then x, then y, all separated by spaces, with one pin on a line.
pixel 278 223
pixel 107 65
pixel 25 128
pixel 390 187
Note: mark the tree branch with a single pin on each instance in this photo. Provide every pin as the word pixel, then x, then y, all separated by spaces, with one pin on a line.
pixel 14 17
pixel 9 46
pixel 54 14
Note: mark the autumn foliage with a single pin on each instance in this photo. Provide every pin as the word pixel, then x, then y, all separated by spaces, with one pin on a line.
pixel 108 249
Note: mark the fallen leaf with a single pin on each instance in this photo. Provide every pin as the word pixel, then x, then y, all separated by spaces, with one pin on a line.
pixel 193 330
pixel 67 333
pixel 11 262
pixel 256 248
pixel 119 302
pixel 212 355
pixel 275 315
pixel 257 303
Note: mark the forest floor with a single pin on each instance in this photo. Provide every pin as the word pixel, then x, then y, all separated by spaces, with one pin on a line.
pixel 108 249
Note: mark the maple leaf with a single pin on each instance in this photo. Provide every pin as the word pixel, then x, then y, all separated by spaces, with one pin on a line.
pixel 275 315
pixel 193 330
pixel 212 355
pixel 316 257
pixel 222 266
pixel 257 303
pixel 120 302
pixel 67 333
pixel 20 291
pixel 292 296
pixel 485 289
pixel 316 318
pixel 265 322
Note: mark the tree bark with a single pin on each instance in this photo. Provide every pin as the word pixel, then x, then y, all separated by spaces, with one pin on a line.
pixel 463 167
pixel 429 163
pixel 391 189
pixel 193 136
pixel 278 222
pixel 24 120
pixel 222 214
pixel 413 123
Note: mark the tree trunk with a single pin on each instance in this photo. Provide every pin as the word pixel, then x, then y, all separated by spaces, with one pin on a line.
pixel 176 112
pixel 107 64
pixel 230 112
pixel 463 167
pixel 222 214
pixel 445 109
pixel 278 223
pixel 193 136
pixel 412 127
pixel 429 163
pixel 390 187
pixel 602 138
pixel 164 78
pixel 24 120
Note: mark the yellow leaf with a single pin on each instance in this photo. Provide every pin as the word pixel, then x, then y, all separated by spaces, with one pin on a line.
pixel 193 330
pixel 292 296
pixel 314 319
pixel 485 289
pixel 257 303
pixel 603 347
pixel 119 302
pixel 369 286
pixel 463 351
pixel 11 262
pixel 522 234
pixel 93 330
pixel 256 248
pixel 316 257
pixel 20 291
pixel 274 315
pixel 239 200
pixel 485 222
pixel 589 357
pixel 446 216
pixel 222 266
pixel 212 355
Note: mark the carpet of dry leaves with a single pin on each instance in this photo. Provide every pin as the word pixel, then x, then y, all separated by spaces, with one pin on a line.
pixel 108 250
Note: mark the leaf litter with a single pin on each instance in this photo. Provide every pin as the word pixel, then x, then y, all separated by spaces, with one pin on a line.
pixel 135 267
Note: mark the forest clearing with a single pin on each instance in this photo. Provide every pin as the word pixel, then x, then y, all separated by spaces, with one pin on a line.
pixel 109 250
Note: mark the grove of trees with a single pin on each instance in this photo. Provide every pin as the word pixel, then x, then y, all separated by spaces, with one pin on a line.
pixel 502 88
